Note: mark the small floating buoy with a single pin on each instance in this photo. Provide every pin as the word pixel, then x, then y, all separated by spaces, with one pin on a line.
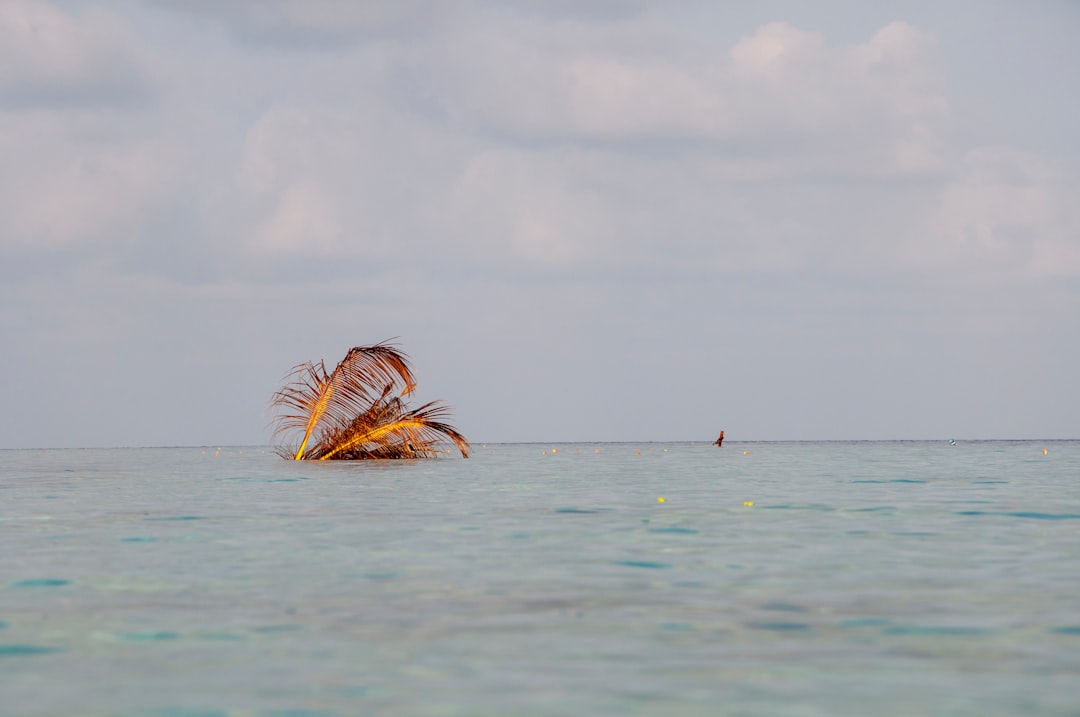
pixel 639 453
pixel 746 453
pixel 1045 451
pixel 660 499
pixel 748 503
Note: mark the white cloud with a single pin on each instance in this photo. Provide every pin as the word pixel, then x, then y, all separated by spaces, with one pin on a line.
pixel 303 221
pixel 75 187
pixel 875 108
pixel 51 58
pixel 1009 213
pixel 319 25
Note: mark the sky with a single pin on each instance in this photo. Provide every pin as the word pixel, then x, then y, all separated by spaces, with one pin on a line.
pixel 622 220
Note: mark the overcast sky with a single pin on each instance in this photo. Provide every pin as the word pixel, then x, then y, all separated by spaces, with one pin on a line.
pixel 638 221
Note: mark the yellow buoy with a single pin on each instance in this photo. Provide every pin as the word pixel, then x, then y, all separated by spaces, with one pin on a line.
pixel 746 453
pixel 1045 451
pixel 748 503
pixel 660 499
pixel 639 453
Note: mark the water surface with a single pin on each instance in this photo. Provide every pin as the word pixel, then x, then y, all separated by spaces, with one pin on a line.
pixel 893 578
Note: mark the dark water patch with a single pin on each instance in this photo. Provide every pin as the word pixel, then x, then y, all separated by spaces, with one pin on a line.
pixel 674 529
pixel 779 626
pixel 867 480
pixel 138 539
pixel 3 624
pixel 875 509
pixel 1022 514
pixel 41 583
pixel 578 511
pixel 860 622
pixel 783 607
pixel 519 536
pixel 857 532
pixel 283 480
pixel 26 650
pixel 906 480
pixel 287 627
pixel 942 630
pixel 643 564
pixel 150 636
pixel 176 517
pixel 914 533
pixel 989 482
pixel 1066 630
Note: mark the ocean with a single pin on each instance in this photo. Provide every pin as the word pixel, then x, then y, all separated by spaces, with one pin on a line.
pixel 806 578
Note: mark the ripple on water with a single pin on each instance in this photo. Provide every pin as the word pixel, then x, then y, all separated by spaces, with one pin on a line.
pixel 805 506
pixel 41 583
pixel 779 626
pixel 150 636
pixel 783 607
pixel 861 622
pixel 674 529
pixel 648 564
pixel 26 650
pixel 1066 630
pixel 1022 514
pixel 942 630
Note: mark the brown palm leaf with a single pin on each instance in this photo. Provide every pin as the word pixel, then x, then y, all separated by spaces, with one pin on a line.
pixel 357 410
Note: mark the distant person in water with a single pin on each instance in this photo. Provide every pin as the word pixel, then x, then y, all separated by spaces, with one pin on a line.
pixel 719 441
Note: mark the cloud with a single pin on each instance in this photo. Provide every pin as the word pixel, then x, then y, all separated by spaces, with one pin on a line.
pixel 78 185
pixel 1009 213
pixel 313 25
pixel 50 58
pixel 303 221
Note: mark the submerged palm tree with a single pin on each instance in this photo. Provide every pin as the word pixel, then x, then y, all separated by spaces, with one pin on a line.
pixel 357 411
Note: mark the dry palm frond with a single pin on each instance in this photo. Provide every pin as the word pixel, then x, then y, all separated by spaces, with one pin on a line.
pixel 357 411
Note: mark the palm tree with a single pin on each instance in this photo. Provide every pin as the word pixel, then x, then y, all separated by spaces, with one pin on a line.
pixel 357 411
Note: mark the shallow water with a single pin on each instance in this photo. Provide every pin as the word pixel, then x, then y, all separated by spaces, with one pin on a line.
pixel 895 578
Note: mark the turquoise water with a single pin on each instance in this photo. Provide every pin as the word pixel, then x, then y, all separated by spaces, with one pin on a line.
pixel 894 578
